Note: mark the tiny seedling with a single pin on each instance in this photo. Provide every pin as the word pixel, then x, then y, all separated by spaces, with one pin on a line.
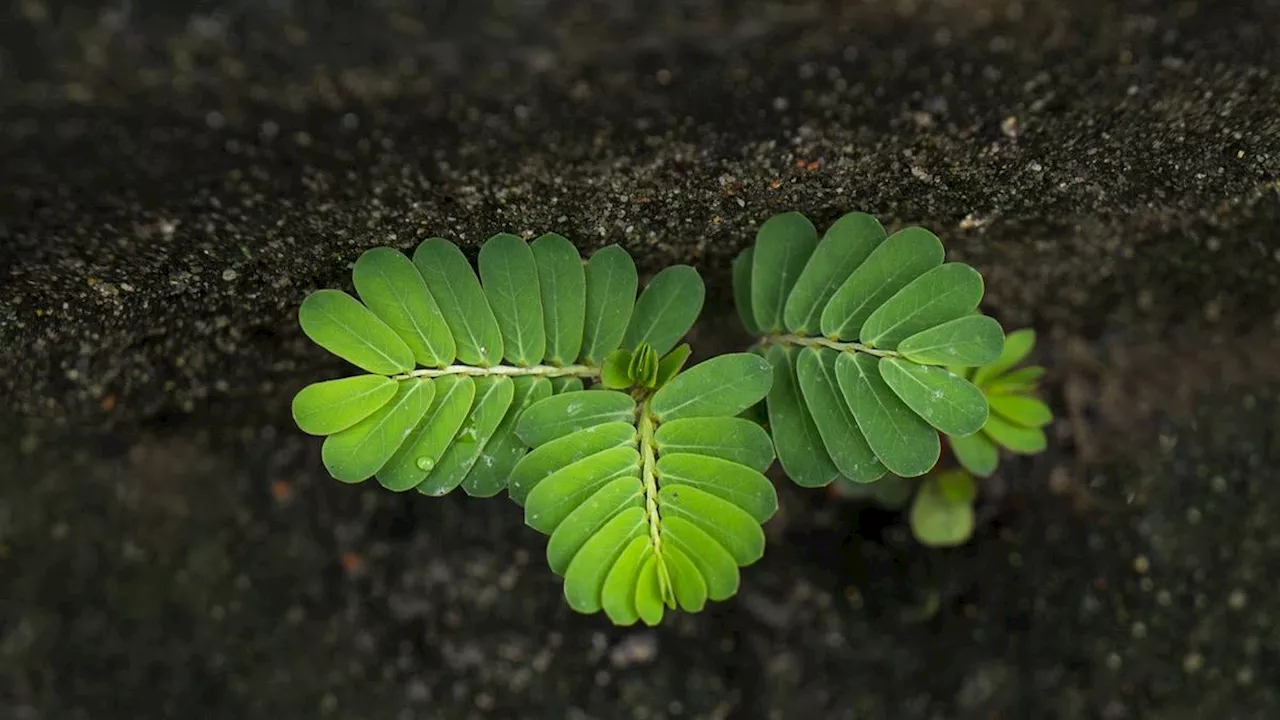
pixel 544 374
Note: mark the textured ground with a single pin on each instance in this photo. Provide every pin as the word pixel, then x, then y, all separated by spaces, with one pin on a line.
pixel 175 176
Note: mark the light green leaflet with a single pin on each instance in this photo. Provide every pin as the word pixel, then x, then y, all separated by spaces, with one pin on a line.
pixel 724 385
pixel 687 583
pixel 673 363
pixel 561 492
pixel 844 442
pixel 563 414
pixel 493 397
pixel 666 309
pixel 545 459
pixel 944 293
pixel 588 518
pixel 729 438
pixel 509 276
pixel 358 452
pixel 611 293
pixel 965 342
pixel 844 247
pixel 563 285
pixel 325 408
pixel 1021 410
pixel 976 453
pixel 492 469
pixel 338 323
pixel 948 402
pixel 391 287
pixel 585 577
pixel 903 257
pixel 1022 440
pixel 716 565
pixel 783 246
pixel 742 268
pixel 902 440
pixel 650 590
pixel 615 371
pixel 1022 380
pixel 421 450
pixel 800 447
pixel 618 594
pixel 461 300
pixel 738 484
pixel 938 520
pixel 1016 348
pixel 728 524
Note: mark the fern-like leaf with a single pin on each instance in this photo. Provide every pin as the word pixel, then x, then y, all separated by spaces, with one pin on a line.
pixel 455 357
pixel 652 500
pixel 863 330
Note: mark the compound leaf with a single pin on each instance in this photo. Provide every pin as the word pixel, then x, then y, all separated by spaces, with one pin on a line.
pixel 903 257
pixel 418 456
pixel 461 300
pixel 560 415
pixel 950 403
pixel 610 293
pixel 589 517
pixel 844 442
pixel 493 468
pixel 585 577
pixel 903 441
pixel 724 385
pixel 964 342
pixel 563 286
pixel 545 459
pixel 740 485
pixel 943 293
pixel 1021 440
pixel 976 453
pixel 493 397
pixel 742 266
pixel 393 289
pixel 1017 346
pixel 509 276
pixel 666 309
pixel 358 452
pixel 561 492
pixel 730 438
pixel 783 246
pixel 1021 410
pixel 844 247
pixel 728 524
pixel 325 408
pixel 338 323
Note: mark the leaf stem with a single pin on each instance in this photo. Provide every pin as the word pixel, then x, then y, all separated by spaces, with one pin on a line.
pixel 647 463
pixel 806 341
pixel 550 371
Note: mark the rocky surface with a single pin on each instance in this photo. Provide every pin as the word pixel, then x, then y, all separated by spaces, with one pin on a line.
pixel 176 176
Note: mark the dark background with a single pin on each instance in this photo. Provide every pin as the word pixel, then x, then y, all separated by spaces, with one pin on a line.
pixel 176 176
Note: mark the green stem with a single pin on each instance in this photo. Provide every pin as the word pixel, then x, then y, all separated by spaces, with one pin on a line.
pixel 647 462
pixel 550 371
pixel 806 341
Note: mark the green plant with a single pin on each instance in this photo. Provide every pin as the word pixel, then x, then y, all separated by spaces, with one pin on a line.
pixel 545 375
pixel 942 503
pixel 860 328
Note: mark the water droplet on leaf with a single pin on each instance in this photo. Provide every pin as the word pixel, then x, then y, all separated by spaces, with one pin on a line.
pixel 425 463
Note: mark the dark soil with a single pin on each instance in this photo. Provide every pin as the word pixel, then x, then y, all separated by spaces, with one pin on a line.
pixel 176 176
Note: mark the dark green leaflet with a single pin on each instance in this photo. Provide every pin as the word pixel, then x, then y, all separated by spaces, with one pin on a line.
pixel 462 302
pixel 509 276
pixel 492 469
pixel 610 294
pixel 844 442
pixel 844 247
pixel 783 246
pixel 493 397
pixel 800 448
pixel 422 449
